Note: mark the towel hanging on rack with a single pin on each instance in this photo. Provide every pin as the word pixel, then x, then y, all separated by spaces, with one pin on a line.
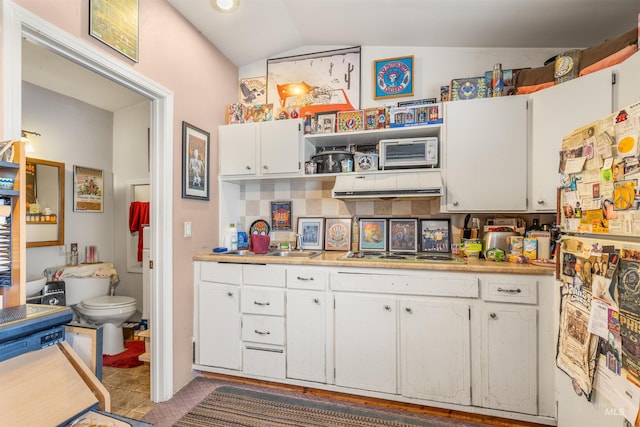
pixel 138 216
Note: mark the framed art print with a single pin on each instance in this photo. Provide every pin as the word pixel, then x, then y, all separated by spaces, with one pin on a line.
pixel 311 231
pixel 115 23
pixel 435 235
pixel 195 162
pixel 373 234
pixel 281 216
pixel 337 234
pixel 326 122
pixel 403 235
pixel 87 189
pixel 393 77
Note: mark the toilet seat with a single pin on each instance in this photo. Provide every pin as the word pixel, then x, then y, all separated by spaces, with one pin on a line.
pixel 108 302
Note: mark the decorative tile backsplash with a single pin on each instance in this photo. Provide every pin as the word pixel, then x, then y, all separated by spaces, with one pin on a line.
pixel 313 199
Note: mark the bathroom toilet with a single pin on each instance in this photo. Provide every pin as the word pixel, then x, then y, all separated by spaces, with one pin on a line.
pixel 90 298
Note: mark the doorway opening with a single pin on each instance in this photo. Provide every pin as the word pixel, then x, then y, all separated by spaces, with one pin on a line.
pixel 18 23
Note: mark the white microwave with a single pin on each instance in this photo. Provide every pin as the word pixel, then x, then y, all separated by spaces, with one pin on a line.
pixel 408 152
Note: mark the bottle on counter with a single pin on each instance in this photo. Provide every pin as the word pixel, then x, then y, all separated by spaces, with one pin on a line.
pixel 535 226
pixel 231 238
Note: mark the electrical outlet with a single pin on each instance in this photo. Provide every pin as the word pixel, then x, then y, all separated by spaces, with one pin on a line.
pixel 187 229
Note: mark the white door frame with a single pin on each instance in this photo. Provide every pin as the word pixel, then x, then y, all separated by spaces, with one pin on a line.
pixel 18 22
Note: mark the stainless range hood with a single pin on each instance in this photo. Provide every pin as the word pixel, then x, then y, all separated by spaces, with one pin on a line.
pixel 423 184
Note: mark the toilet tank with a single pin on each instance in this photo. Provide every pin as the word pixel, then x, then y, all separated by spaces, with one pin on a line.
pixel 80 288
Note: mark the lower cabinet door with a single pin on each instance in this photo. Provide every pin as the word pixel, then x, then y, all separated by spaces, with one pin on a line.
pixel 306 335
pixel 435 350
pixel 509 358
pixel 219 330
pixel 365 341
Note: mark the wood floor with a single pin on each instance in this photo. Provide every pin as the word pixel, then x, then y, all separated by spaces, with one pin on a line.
pixel 129 390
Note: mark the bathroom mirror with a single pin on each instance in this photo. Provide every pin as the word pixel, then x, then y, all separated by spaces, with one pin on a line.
pixel 44 203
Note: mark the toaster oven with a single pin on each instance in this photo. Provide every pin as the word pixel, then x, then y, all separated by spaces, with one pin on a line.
pixel 408 153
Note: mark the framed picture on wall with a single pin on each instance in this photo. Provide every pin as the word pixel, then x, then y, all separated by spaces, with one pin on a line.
pixel 403 235
pixel 281 215
pixel 393 77
pixel 435 235
pixel 87 189
pixel 195 162
pixel 373 234
pixel 115 23
pixel 337 234
pixel 311 231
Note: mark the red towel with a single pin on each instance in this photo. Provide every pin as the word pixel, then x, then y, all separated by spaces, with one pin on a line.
pixel 138 216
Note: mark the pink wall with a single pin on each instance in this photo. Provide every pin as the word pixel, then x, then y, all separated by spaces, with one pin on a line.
pixel 175 55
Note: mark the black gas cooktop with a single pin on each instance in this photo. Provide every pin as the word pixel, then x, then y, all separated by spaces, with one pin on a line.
pixel 425 257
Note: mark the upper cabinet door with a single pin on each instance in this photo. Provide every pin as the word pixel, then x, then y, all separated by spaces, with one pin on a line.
pixel 280 143
pixel 556 112
pixel 238 149
pixel 627 89
pixel 486 154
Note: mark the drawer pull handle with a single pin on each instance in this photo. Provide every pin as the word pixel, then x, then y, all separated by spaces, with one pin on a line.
pixel 273 350
pixel 262 303
pixel 493 316
pixel 262 332
pixel 510 291
pixel 408 310
pixel 316 301
pixel 304 279
pixel 387 307
pixel 229 294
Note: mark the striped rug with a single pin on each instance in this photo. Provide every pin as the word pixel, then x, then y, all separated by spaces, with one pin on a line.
pixel 232 407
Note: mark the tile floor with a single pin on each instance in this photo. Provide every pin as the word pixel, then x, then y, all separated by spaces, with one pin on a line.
pixel 129 390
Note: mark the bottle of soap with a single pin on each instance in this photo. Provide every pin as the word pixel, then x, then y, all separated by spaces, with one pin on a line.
pixel 233 237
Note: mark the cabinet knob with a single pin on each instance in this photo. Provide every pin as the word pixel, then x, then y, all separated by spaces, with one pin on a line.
pixel 229 294
pixel 248 167
pixel 455 203
pixel 265 167
pixel 408 310
pixel 540 202
pixel 493 315
pixel 316 301
pixel 387 307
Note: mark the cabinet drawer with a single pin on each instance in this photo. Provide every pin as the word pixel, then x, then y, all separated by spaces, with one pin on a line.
pixel 449 285
pixel 264 275
pixel 221 273
pixel 263 329
pixel 260 300
pixel 306 278
pixel 520 290
pixel 264 360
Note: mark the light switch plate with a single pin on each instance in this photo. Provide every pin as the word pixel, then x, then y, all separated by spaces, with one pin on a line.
pixel 187 229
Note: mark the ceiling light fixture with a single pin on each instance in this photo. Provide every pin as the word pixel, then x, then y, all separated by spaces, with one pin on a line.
pixel 225 5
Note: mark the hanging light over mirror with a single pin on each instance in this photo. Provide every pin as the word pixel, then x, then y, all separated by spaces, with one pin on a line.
pixel 225 6
pixel 28 147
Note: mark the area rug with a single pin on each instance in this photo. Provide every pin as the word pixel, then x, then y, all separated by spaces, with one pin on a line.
pixel 126 359
pixel 233 407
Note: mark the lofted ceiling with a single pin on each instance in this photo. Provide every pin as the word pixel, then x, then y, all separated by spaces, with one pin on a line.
pixel 261 29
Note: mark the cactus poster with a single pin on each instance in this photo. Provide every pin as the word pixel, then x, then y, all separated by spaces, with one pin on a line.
pixel 314 83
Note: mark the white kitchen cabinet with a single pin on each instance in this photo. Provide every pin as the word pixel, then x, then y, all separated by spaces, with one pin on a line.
pixel 486 154
pixel 365 341
pixel 263 148
pixel 219 332
pixel 435 350
pixel 306 335
pixel 627 87
pixel 509 356
pixel 556 112
pixel 509 351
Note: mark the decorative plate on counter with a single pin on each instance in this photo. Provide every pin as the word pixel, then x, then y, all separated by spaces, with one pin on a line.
pixel 260 226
